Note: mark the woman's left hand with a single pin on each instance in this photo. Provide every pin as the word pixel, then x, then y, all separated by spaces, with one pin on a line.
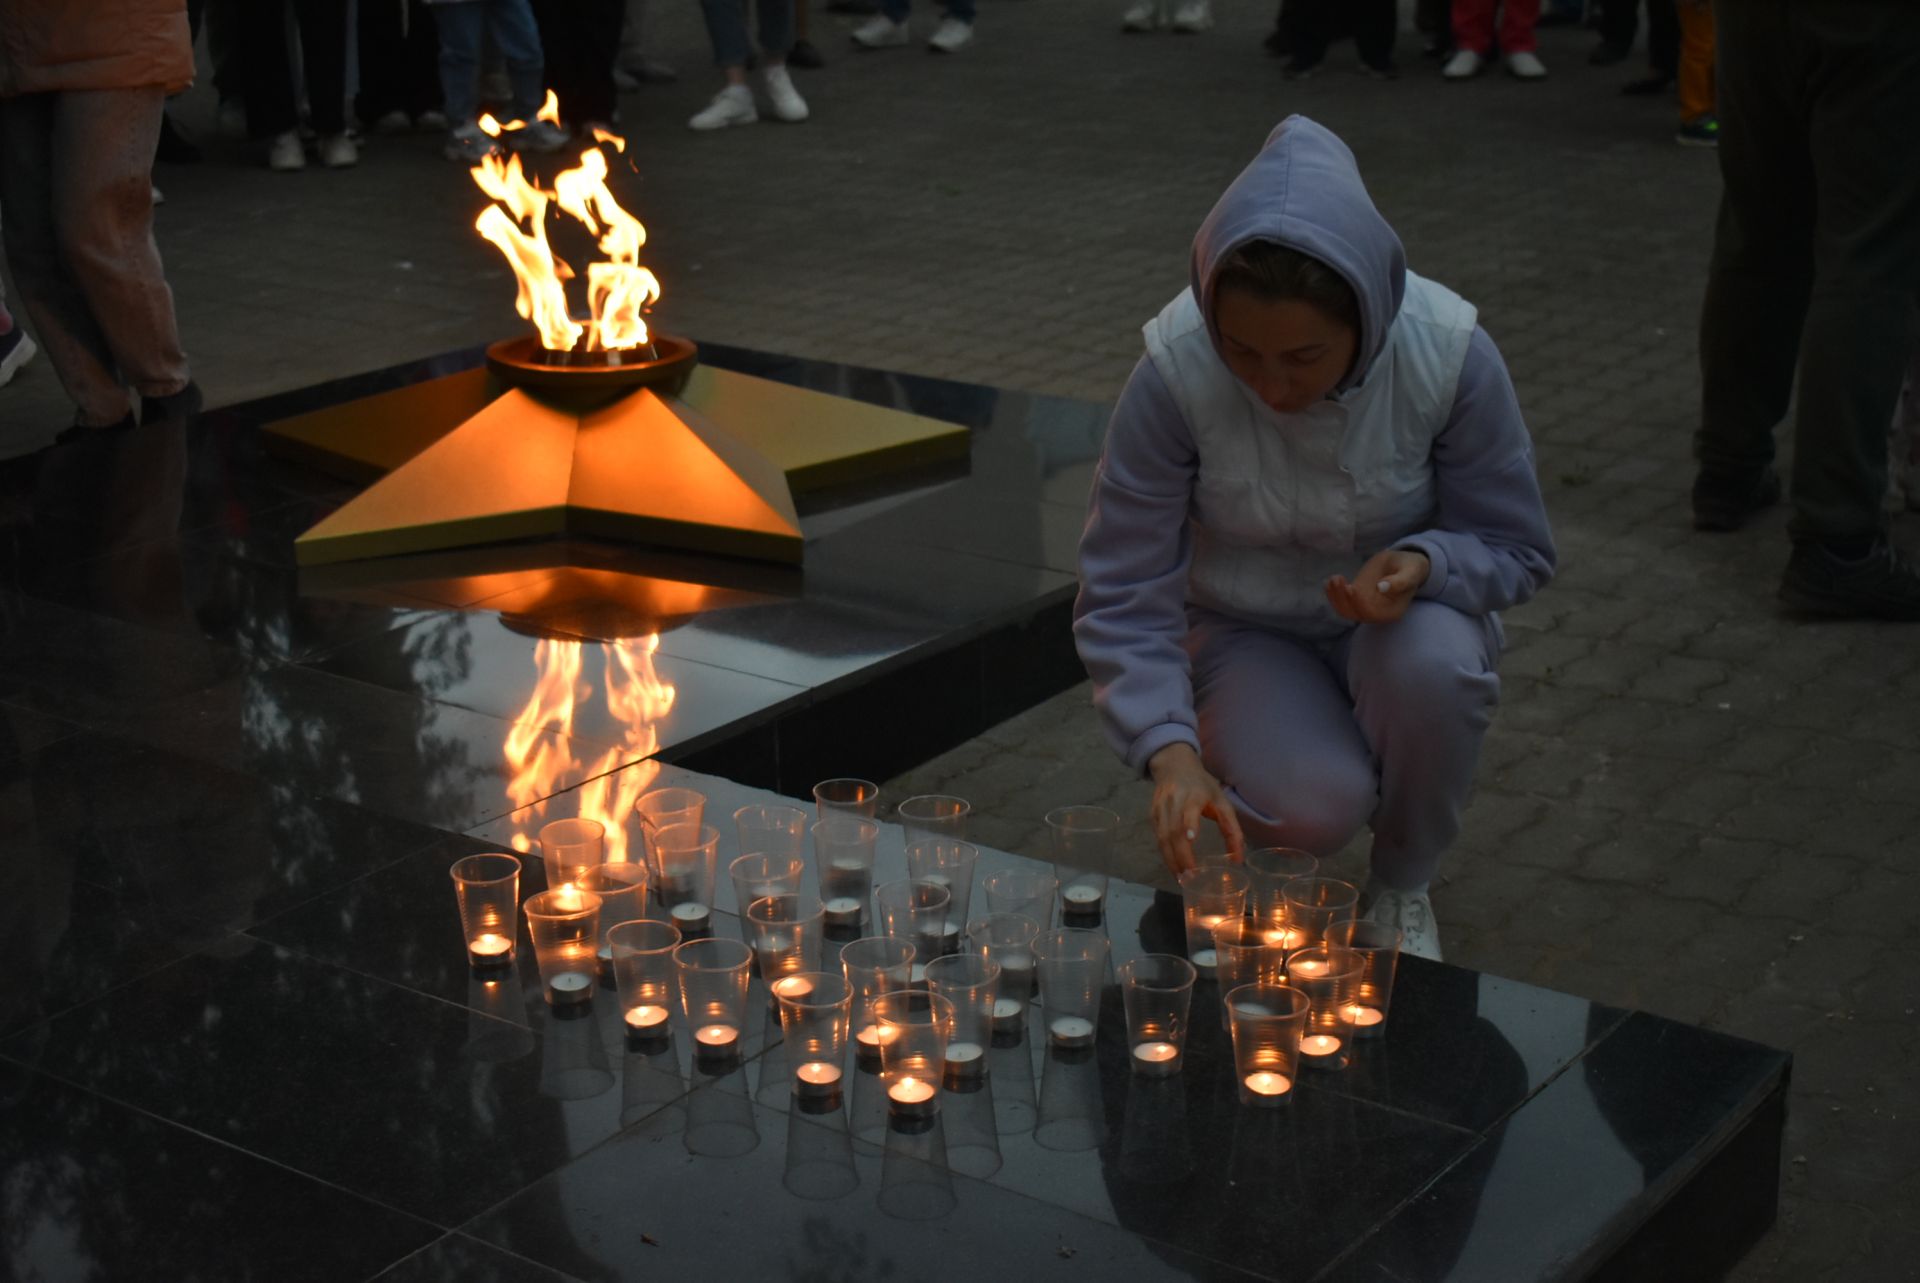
pixel 1382 590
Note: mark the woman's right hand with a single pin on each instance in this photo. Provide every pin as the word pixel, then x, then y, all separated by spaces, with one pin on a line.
pixel 1183 791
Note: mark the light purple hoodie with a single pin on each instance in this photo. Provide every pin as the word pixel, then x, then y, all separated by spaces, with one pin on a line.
pixel 1485 530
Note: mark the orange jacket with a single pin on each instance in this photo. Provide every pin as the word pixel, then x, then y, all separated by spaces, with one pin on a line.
pixel 52 45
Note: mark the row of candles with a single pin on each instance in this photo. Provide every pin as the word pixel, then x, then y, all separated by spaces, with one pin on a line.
pixel 1299 976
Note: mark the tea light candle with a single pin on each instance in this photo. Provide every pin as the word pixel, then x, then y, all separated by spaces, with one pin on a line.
pixel 950 938
pixel 939 880
pixel 1308 967
pixel 1267 1087
pixel 1009 1015
pixel 1156 1059
pixel 791 987
pixel 716 1042
pixel 843 911
pixel 646 1020
pixel 1205 961
pixel 1071 1032
pixel 1082 901
pixel 1320 1046
pixel 489 950
pixel 817 1080
pixel 966 1060
pixel 1016 977
pixel 691 916
pixel 1365 1017
pixel 913 1098
pixel 1287 937
pixel 569 987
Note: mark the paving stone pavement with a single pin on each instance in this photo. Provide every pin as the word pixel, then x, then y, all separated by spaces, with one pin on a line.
pixel 1687 804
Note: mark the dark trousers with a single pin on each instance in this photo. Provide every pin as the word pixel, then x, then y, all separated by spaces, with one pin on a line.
pixel 1816 256
pixel 399 59
pixel 581 39
pixel 1620 18
pixel 323 54
pixel 1309 26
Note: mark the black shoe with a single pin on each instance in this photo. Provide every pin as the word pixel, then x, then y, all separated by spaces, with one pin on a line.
pixel 1607 53
pixel 183 405
pixel 803 54
pixel 1657 83
pixel 1881 585
pixel 1381 70
pixel 1722 502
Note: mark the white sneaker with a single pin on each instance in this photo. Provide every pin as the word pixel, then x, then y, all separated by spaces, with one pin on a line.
pixel 337 151
pixel 1193 16
pixel 232 119
pixel 1412 912
pixel 394 122
pixel 731 106
pixel 539 136
pixel 1526 65
pixel 624 80
pixel 15 353
pixel 881 32
pixel 285 153
pixel 1144 16
pixel 1464 65
pixel 951 36
pixel 785 100
pixel 432 121
pixel 159 197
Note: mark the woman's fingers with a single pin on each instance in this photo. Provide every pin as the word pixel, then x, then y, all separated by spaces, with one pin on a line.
pixel 1224 815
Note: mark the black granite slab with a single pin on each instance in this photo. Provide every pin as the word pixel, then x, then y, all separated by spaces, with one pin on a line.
pixel 95 1190
pixel 235 980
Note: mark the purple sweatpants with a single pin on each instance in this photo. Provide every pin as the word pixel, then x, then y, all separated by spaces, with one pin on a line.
pixel 1380 726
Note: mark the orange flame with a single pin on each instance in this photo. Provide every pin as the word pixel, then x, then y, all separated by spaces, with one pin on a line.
pixel 542 759
pixel 619 290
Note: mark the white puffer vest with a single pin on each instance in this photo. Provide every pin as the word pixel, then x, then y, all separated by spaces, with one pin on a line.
pixel 1283 501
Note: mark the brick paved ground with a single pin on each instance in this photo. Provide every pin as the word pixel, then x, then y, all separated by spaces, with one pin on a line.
pixel 1687 804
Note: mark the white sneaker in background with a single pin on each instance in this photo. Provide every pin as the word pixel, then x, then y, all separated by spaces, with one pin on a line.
pixel 1144 16
pixel 394 122
pixel 432 120
pixel 1464 65
pixel 1526 65
pixel 338 151
pixel 232 118
pixel 159 197
pixel 1193 16
pixel 951 36
pixel 468 145
pixel 881 32
pixel 286 153
pixel 1412 912
pixel 731 106
pixel 785 100
pixel 16 349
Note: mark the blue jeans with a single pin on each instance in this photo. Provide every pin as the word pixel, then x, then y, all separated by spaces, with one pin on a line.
pixel 897 10
pixel 463 27
pixel 727 28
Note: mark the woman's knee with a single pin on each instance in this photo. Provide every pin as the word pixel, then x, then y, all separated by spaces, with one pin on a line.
pixel 1319 810
pixel 1434 662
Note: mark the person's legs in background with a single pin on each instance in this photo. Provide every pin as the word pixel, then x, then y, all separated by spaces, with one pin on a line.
pixel 1663 50
pixel 461 27
pixel 1472 24
pixel 16 347
pixel 323 57
pixel 1859 336
pixel 1518 18
pixel 1374 26
pixel 1761 270
pixel 635 65
pixel 1698 125
pixel 79 237
pixel 1306 22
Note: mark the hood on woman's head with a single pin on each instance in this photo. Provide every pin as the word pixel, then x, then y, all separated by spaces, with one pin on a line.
pixel 1304 191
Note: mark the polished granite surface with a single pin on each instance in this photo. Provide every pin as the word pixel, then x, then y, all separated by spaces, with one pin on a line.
pixel 238 1035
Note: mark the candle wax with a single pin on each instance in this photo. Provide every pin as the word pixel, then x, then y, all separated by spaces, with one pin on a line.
pixel 717 1037
pixel 1008 1008
pixel 870 1036
pixel 964 1055
pixel 1365 1017
pixel 691 911
pixel 1319 1045
pixel 1265 1083
pixel 792 987
pixel 1072 1031
pixel 489 945
pixel 1081 895
pixel 1155 1053
pixel 818 1073
pixel 646 1017
pixel 910 1091
pixel 1308 967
